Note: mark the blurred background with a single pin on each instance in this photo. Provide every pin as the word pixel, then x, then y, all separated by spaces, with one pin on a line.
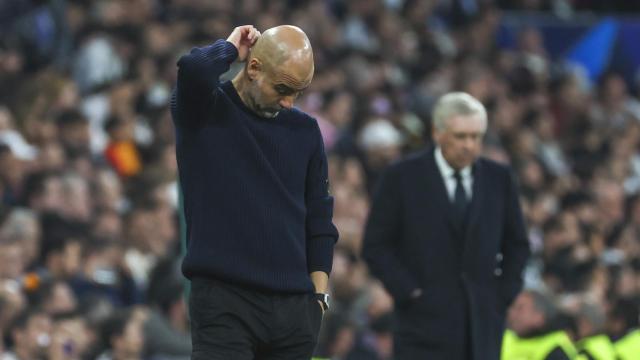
pixel 89 205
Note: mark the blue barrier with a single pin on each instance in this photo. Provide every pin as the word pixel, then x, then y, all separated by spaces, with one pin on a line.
pixel 598 44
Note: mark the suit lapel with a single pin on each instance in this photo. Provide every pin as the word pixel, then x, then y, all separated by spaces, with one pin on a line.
pixel 433 177
pixel 475 208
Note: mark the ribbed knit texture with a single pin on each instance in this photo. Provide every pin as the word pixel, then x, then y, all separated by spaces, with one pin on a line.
pixel 256 198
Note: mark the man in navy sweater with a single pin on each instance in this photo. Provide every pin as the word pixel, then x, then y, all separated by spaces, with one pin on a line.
pixel 258 211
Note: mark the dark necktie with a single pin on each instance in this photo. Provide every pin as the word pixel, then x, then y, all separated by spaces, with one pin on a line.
pixel 460 196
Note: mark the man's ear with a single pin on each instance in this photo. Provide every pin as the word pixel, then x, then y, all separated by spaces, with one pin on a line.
pixel 254 67
pixel 435 134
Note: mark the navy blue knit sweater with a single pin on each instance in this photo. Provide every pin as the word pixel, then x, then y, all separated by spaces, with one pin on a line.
pixel 256 199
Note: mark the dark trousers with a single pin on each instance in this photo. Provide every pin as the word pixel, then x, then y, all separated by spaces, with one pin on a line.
pixel 418 349
pixel 234 322
pixel 418 340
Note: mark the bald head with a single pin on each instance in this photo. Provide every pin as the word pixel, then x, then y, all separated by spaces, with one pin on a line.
pixel 285 52
pixel 279 68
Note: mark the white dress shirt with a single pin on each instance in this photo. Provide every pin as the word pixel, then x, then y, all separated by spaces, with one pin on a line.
pixel 450 181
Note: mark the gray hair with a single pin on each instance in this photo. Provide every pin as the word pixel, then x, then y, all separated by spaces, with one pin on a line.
pixel 20 223
pixel 456 103
pixel 72 181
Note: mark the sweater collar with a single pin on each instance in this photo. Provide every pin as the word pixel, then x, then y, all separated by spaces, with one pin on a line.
pixel 231 91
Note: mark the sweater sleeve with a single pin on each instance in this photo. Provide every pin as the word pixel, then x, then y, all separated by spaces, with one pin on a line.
pixel 321 233
pixel 198 77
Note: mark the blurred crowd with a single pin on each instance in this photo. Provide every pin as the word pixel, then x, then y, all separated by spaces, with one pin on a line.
pixel 89 203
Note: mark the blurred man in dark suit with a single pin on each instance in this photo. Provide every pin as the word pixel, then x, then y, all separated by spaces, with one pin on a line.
pixel 446 237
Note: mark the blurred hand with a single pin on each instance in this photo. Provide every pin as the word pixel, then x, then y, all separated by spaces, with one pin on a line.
pixel 244 37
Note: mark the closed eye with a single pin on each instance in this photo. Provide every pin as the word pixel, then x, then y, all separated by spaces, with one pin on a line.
pixel 284 90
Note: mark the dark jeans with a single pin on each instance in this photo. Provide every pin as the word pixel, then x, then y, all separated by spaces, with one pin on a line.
pixel 234 322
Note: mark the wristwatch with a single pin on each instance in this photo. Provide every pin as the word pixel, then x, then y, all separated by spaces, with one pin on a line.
pixel 324 300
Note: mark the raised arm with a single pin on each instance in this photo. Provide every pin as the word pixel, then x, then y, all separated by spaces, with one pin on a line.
pixel 200 70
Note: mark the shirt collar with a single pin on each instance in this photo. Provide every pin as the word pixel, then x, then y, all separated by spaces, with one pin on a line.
pixel 445 169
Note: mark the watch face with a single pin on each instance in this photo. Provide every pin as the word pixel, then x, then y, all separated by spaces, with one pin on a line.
pixel 325 300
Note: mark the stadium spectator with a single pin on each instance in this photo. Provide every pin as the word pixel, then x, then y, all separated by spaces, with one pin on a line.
pixel 535 333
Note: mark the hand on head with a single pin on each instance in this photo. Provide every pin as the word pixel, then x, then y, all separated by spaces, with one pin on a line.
pixel 243 38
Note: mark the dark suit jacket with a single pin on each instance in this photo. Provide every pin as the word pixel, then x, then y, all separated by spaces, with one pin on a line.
pixel 411 241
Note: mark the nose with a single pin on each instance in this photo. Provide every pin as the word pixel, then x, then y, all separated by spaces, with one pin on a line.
pixel 286 102
pixel 470 143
